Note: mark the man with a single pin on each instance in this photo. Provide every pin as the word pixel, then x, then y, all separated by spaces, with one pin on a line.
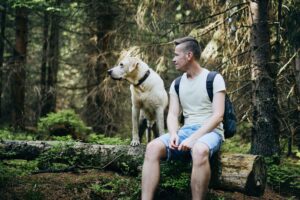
pixel 201 134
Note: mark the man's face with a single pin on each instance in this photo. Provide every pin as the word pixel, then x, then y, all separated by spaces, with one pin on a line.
pixel 181 58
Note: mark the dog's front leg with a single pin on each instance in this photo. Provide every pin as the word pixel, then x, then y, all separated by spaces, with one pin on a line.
pixel 160 120
pixel 135 119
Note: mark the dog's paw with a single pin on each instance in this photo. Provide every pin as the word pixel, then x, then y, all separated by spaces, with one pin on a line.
pixel 135 143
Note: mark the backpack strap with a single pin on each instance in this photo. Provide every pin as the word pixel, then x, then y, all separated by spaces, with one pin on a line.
pixel 176 85
pixel 209 84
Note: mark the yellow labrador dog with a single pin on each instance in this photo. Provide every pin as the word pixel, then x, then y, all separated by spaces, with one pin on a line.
pixel 148 95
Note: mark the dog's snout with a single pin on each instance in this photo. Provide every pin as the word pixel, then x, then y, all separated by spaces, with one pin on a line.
pixel 109 71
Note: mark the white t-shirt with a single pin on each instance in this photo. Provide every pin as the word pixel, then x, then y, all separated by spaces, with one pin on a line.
pixel 194 99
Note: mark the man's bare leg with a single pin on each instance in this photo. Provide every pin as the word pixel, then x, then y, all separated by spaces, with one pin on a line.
pixel 151 169
pixel 200 172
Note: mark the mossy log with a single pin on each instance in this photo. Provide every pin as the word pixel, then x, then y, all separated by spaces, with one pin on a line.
pixel 237 172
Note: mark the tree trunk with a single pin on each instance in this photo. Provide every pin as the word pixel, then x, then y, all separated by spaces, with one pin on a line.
pixel 277 43
pixel 97 113
pixel 43 111
pixel 18 72
pixel 296 130
pixel 53 63
pixel 265 139
pixel 237 172
pixel 297 72
pixel 2 31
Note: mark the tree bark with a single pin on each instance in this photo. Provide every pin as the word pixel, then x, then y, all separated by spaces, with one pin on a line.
pixel 237 172
pixel 278 34
pixel 97 113
pixel 53 63
pixel 2 31
pixel 18 72
pixel 297 71
pixel 296 130
pixel 43 110
pixel 265 139
pixel 242 172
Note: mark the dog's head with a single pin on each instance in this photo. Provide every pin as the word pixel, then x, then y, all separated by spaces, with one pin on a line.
pixel 124 69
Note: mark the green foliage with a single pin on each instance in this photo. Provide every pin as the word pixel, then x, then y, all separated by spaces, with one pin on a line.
pixel 244 130
pixel 101 139
pixel 59 157
pixel 176 175
pixel 240 142
pixel 63 117
pixel 49 6
pixel 67 138
pixel 236 145
pixel 7 134
pixel 285 175
pixel 4 175
pixel 12 168
pixel 34 194
pixel 119 187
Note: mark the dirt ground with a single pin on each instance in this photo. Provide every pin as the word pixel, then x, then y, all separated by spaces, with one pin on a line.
pixel 93 184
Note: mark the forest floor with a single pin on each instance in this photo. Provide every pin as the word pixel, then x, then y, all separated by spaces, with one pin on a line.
pixel 94 184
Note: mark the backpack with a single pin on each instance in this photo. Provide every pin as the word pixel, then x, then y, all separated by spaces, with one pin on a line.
pixel 229 118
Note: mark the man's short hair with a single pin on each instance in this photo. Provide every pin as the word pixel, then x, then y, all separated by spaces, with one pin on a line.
pixel 190 44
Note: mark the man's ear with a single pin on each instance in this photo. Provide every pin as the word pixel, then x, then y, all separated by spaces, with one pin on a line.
pixel 190 55
pixel 133 67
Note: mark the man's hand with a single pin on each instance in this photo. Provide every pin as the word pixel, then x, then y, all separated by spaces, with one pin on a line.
pixel 187 144
pixel 174 141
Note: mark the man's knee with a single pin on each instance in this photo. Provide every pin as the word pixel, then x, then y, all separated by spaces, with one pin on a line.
pixel 200 154
pixel 155 150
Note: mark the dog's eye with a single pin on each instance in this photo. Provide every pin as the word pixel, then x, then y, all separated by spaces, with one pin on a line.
pixel 121 64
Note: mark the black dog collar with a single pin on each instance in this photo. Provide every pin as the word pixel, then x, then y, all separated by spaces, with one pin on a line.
pixel 143 78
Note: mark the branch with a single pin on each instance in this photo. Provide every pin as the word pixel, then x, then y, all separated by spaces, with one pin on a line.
pixel 286 64
pixel 216 14
pixel 222 22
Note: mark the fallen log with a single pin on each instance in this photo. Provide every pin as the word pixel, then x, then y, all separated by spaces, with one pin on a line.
pixel 240 172
pixel 237 172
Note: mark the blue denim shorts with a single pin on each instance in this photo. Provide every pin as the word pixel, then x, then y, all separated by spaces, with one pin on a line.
pixel 213 140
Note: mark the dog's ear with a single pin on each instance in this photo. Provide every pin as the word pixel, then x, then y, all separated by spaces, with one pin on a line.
pixel 134 66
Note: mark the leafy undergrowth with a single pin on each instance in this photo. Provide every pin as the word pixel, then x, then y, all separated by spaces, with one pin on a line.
pixel 7 134
pixel 92 184
pixel 17 182
pixel 85 185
